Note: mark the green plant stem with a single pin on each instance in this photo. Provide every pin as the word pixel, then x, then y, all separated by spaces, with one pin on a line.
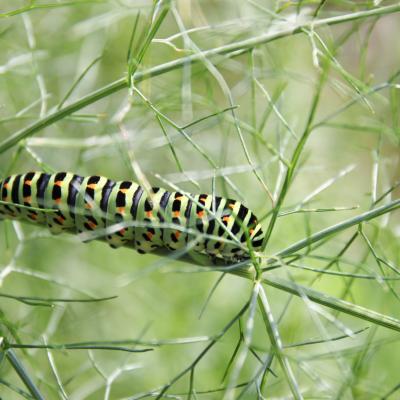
pixel 23 374
pixel 334 303
pixel 32 6
pixel 231 50
pixel 16 389
pixel 295 159
pixel 324 233
pixel 325 300
pixel 276 343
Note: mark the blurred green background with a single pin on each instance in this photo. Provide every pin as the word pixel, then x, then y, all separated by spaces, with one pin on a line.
pixel 265 95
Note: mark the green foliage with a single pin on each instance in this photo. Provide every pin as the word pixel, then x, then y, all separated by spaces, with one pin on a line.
pixel 290 106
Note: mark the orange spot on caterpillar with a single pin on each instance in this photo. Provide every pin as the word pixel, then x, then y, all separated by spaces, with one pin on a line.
pixel 29 183
pixel 200 214
pixel 251 231
pixel 179 198
pixel 226 218
pixel 28 199
pixel 33 216
pixel 92 186
pixel 149 235
pixel 149 214
pixel 92 224
pixel 121 210
pixel 176 214
pixel 58 201
pixel 177 234
pixel 58 183
pixel 6 185
pixel 88 205
pixel 122 231
pixel 123 190
pixel 232 206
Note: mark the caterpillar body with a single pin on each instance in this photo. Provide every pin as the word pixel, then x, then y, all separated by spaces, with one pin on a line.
pixel 125 214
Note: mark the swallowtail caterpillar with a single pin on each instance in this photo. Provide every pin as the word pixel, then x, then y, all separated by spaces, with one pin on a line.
pixel 125 214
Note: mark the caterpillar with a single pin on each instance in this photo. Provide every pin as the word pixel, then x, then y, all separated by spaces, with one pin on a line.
pixel 125 214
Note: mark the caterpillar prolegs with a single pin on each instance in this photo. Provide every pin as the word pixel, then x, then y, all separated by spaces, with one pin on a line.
pixel 125 214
